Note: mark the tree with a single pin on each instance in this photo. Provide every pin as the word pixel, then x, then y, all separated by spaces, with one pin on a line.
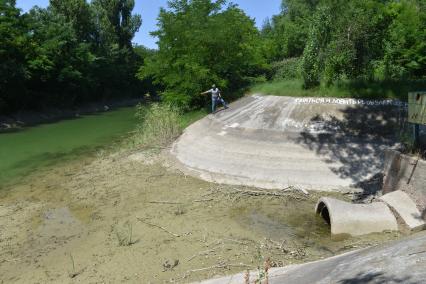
pixel 201 42
pixel 314 53
pixel 116 63
pixel 117 24
pixel 290 29
pixel 359 29
pixel 59 63
pixel 78 14
pixel 66 54
pixel 405 43
pixel 13 48
pixel 366 39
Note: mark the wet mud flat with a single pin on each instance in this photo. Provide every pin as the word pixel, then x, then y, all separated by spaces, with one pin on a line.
pixel 135 218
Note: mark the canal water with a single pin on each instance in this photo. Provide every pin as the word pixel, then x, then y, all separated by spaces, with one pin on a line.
pixel 32 148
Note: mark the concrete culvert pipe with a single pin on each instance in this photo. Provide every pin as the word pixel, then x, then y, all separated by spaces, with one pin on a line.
pixel 356 219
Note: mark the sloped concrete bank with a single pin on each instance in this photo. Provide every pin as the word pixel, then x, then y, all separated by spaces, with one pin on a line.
pixel 275 142
pixel 403 261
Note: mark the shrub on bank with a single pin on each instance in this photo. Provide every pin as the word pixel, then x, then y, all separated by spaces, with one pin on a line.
pixel 158 125
pixel 286 69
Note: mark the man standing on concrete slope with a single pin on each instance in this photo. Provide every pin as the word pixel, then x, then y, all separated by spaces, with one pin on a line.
pixel 216 97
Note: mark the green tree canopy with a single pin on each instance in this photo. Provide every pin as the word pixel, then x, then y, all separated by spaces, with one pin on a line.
pixel 203 42
pixel 362 39
pixel 71 52
pixel 13 49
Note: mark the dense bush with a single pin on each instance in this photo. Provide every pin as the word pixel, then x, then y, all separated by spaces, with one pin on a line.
pixel 288 68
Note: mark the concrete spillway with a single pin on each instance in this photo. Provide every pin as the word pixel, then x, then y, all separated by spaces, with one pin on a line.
pixel 276 142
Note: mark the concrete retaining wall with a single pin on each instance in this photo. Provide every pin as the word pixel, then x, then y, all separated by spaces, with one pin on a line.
pixel 406 173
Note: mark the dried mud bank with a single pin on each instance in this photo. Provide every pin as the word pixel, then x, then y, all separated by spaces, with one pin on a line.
pixel 135 218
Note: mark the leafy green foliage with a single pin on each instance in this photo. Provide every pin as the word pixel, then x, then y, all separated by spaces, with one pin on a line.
pixel 78 50
pixel 117 24
pixel 350 40
pixel 288 68
pixel 68 53
pixel 405 44
pixel 290 29
pixel 314 53
pixel 13 49
pixel 201 42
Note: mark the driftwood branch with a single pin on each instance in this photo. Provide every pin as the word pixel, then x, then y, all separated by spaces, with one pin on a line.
pixel 219 266
pixel 159 227
pixel 206 252
pixel 164 202
pixel 290 192
pixel 260 193
pixel 203 200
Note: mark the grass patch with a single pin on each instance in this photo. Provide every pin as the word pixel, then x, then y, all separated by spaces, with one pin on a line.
pixel 189 118
pixel 161 124
pixel 389 89
pixel 291 88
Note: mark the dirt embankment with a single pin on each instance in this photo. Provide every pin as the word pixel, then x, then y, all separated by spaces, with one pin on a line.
pixel 134 218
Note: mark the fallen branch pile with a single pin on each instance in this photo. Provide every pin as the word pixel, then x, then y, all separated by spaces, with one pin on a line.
pixel 293 192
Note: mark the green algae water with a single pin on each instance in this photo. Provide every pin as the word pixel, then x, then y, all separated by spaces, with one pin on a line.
pixel 32 148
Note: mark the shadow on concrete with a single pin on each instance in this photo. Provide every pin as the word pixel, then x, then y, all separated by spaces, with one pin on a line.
pixel 356 141
pixel 421 217
pixel 376 277
pixel 218 110
pixel 369 187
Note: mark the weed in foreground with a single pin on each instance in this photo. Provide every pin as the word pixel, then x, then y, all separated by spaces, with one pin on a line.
pixel 262 271
pixel 73 273
pixel 124 235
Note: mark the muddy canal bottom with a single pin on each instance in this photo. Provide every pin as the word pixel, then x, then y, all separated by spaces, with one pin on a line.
pixel 133 218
